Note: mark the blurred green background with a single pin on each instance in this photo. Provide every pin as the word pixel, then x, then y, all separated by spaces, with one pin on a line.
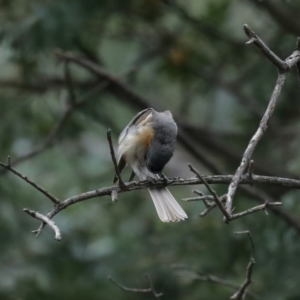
pixel 186 56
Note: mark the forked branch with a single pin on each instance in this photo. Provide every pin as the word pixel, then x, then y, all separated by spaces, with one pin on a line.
pixel 45 220
pixel 283 67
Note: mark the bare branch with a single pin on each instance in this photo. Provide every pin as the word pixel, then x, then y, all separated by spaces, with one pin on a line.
pixel 127 289
pixel 239 295
pixel 254 209
pixel 215 196
pixel 137 185
pixel 40 189
pixel 261 196
pixel 283 67
pixel 156 295
pixel 207 210
pixel 209 205
pixel 135 290
pixel 250 169
pixel 250 238
pixel 195 199
pixel 254 39
pixel 213 279
pixel 45 220
pixel 204 197
pixel 254 141
pixel 241 292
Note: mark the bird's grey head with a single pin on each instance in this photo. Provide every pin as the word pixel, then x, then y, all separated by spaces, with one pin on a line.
pixel 163 143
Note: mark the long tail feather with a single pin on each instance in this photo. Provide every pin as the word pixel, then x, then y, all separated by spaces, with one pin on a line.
pixel 166 206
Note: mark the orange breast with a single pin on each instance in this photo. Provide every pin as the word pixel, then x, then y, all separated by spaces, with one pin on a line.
pixel 146 136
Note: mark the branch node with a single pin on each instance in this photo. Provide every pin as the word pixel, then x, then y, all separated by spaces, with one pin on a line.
pixel 254 39
pixel 254 141
pixel 45 219
pixel 114 196
pixel 215 196
pixel 251 41
pixel 156 295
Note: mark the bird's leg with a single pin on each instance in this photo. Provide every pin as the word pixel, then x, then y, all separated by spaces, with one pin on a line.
pixel 151 179
pixel 131 176
pixel 164 177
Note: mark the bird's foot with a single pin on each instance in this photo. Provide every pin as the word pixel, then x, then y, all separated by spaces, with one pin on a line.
pixel 151 179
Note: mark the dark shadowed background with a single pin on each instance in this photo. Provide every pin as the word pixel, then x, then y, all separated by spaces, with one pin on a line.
pixel 186 56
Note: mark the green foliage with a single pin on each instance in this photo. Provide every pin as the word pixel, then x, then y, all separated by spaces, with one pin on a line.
pixel 185 56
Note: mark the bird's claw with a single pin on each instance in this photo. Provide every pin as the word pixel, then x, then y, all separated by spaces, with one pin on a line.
pixel 151 179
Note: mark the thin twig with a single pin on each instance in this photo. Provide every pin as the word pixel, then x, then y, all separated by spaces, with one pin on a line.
pixel 254 209
pixel 213 279
pixel 254 141
pixel 137 185
pixel 241 292
pixel 261 196
pixel 239 295
pixel 254 39
pixel 40 189
pixel 215 196
pixel 136 290
pixel 204 197
pixel 45 220
pixel 250 238
pixel 197 198
pixel 250 169
pixel 113 157
pixel 209 205
pixel 207 210
pixel 156 295
pixel 127 289
pixel 283 67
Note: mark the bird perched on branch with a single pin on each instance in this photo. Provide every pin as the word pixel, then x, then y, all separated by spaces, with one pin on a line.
pixel 146 144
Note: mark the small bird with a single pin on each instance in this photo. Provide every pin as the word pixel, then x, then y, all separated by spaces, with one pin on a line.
pixel 146 144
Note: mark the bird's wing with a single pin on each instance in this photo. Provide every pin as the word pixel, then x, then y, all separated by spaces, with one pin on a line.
pixel 141 116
